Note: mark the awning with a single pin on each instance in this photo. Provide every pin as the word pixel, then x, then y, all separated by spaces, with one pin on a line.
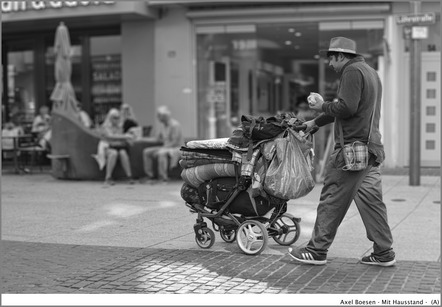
pixel 205 2
pixel 263 9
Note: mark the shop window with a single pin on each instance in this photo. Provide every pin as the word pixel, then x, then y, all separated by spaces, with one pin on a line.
pixel 430 145
pixel 431 111
pixel 263 68
pixel 430 127
pixel 431 93
pixel 431 76
pixel 20 102
pixel 106 87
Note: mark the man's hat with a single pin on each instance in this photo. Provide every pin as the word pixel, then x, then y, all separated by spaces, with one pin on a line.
pixel 340 44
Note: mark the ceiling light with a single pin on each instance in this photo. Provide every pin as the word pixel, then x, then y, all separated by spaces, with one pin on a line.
pixel 298 34
pixel 291 30
pixel 288 43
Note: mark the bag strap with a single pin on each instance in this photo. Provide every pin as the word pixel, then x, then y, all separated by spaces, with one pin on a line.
pixel 341 134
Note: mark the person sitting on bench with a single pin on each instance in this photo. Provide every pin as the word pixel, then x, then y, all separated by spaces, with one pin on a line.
pixel 167 155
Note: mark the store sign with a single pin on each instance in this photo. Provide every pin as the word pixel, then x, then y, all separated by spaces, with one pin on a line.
pixel 217 94
pixel 426 18
pixel 419 32
pixel 21 6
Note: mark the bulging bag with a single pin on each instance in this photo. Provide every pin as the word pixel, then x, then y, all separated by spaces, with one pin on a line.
pixel 355 156
pixel 289 173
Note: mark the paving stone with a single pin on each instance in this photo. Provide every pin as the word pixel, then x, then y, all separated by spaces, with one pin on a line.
pixel 43 267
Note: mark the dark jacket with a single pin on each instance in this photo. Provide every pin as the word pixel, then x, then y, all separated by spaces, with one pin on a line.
pixel 359 90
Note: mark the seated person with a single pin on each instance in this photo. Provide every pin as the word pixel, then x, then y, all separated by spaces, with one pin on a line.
pixel 9 131
pixel 84 116
pixel 41 126
pixel 128 121
pixel 114 146
pixel 170 134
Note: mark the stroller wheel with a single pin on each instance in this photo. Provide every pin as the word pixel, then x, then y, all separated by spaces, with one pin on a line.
pixel 285 230
pixel 227 235
pixel 252 237
pixel 205 237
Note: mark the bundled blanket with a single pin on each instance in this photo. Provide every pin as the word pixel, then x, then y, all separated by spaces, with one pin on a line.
pixel 195 176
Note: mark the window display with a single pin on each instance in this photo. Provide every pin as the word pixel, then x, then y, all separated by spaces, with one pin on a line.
pixel 106 85
pixel 105 72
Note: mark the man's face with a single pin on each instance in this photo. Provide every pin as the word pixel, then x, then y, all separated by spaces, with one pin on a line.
pixel 161 117
pixel 336 61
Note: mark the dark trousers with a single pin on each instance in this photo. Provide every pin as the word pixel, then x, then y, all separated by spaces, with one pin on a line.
pixel 340 188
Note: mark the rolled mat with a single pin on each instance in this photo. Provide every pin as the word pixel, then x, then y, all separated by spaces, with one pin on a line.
pixel 194 176
pixel 197 162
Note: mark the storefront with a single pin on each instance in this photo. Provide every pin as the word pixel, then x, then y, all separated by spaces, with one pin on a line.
pixel 262 58
pixel 212 61
pixel 102 41
pixel 263 67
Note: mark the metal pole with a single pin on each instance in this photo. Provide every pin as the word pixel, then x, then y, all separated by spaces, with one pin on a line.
pixel 415 104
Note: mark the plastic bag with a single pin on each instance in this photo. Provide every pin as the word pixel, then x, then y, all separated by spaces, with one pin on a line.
pixel 288 175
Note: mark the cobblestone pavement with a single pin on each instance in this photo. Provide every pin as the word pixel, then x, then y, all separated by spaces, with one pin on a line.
pixel 58 268
pixel 138 239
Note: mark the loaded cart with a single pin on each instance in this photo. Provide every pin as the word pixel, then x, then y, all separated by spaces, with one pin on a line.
pixel 242 183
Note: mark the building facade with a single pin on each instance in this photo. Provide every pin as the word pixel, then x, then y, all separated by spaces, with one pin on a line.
pixel 211 62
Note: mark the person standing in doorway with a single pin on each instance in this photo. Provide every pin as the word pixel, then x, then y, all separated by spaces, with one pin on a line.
pixel 358 99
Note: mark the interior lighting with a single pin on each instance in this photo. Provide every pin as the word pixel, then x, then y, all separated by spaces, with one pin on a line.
pixel 298 34
pixel 288 43
pixel 291 30
pixel 297 47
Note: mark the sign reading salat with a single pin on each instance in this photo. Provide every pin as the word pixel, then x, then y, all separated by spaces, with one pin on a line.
pixel 20 6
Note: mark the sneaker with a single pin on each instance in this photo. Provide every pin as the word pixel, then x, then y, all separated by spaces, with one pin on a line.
pixel 374 260
pixel 304 256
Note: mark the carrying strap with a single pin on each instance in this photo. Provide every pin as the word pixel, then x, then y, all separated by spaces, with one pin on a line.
pixel 341 134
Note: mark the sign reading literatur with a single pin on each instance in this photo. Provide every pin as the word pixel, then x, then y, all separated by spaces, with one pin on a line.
pixel 21 6
pixel 414 19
